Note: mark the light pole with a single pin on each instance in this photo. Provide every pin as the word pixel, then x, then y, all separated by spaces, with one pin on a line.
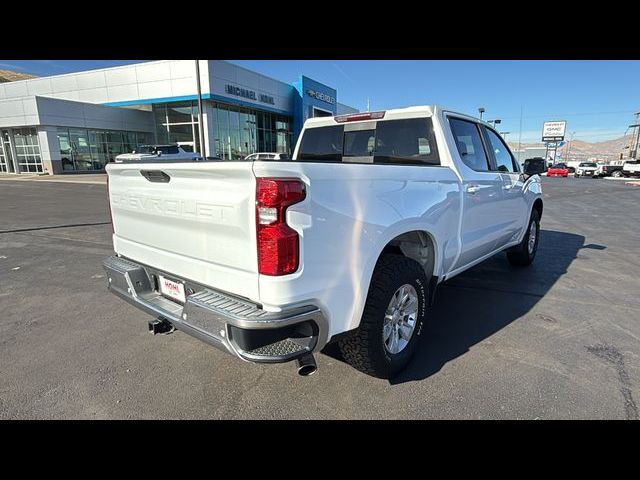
pixel 504 135
pixel 200 119
pixel 481 110
pixel 495 122
pixel 569 145
pixel 634 146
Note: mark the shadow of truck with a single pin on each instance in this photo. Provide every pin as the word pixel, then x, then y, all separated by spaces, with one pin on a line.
pixel 481 301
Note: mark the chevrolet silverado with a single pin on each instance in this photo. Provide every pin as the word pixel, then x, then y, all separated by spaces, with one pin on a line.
pixel 346 242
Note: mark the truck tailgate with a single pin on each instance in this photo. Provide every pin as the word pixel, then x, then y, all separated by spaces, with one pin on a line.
pixel 194 220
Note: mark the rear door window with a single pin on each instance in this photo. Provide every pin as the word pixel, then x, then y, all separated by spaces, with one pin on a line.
pixel 469 144
pixel 504 160
pixel 406 141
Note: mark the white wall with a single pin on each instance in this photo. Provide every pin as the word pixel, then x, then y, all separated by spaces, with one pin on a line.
pixel 18 112
pixel 222 73
pixel 154 80
pixel 31 111
pixel 148 80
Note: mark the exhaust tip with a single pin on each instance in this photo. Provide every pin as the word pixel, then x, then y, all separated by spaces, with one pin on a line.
pixel 306 365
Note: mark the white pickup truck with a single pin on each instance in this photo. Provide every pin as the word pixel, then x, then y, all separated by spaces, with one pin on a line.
pixel 346 242
pixel 631 168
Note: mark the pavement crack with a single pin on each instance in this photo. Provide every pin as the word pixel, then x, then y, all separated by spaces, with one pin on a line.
pixel 71 225
pixel 66 239
pixel 613 356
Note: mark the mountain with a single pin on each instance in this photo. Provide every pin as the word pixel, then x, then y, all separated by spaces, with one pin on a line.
pixel 581 150
pixel 11 76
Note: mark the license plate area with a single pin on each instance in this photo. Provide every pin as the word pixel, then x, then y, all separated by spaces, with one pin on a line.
pixel 172 289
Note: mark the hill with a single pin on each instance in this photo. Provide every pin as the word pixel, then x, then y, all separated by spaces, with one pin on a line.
pixel 581 150
pixel 11 76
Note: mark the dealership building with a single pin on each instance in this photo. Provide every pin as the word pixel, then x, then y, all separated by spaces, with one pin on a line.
pixel 80 121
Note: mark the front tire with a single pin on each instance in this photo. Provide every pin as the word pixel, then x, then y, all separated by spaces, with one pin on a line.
pixel 617 174
pixel 522 255
pixel 392 319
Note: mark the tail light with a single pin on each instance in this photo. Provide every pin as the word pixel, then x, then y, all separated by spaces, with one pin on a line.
pixel 278 244
pixel 356 117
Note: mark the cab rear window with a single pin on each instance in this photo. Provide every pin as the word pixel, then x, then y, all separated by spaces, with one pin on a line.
pixel 406 142
pixel 323 144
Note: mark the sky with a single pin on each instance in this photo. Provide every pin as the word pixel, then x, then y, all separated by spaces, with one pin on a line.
pixel 597 98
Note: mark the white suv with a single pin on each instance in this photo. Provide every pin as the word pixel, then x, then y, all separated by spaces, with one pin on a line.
pixel 161 153
pixel 267 156
pixel 587 169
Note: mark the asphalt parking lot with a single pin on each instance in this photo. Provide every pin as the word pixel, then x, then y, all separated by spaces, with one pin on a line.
pixel 556 341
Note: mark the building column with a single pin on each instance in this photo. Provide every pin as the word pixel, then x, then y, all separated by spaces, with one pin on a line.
pixel 208 123
pixel 50 150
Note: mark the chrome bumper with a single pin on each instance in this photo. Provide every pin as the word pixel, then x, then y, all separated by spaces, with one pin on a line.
pixel 229 323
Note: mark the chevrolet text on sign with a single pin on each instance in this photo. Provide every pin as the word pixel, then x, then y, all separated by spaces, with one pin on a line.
pixel 553 131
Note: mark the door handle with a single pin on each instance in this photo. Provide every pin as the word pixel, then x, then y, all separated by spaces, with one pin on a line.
pixel 473 189
pixel 508 187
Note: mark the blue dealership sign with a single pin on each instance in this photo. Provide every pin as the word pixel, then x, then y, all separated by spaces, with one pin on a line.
pixel 312 99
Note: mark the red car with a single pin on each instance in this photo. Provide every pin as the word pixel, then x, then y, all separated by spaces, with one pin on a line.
pixel 558 170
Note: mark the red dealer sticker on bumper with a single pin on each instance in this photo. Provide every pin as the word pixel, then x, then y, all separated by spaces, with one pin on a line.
pixel 171 289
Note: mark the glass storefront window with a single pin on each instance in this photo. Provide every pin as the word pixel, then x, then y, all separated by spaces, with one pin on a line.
pixel 241 131
pixel 180 113
pixel 160 114
pixel 222 116
pixel 114 137
pixel 143 138
pixel 27 150
pixel 91 150
pixel 3 160
pixel 178 123
pixel 180 133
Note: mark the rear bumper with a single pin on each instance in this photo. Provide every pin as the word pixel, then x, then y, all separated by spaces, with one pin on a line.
pixel 231 324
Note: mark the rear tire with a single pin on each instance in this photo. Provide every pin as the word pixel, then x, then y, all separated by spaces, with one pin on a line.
pixel 522 255
pixel 366 348
pixel 617 174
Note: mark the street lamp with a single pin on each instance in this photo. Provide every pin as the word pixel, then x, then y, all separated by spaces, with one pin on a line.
pixel 634 146
pixel 481 110
pixel 200 116
pixel 569 145
pixel 504 134
pixel 494 122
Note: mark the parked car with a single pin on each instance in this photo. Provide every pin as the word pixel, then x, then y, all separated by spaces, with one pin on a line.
pixel 631 168
pixel 164 153
pixel 558 170
pixel 268 156
pixel 536 163
pixel 609 170
pixel 572 165
pixel 346 242
pixel 586 169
